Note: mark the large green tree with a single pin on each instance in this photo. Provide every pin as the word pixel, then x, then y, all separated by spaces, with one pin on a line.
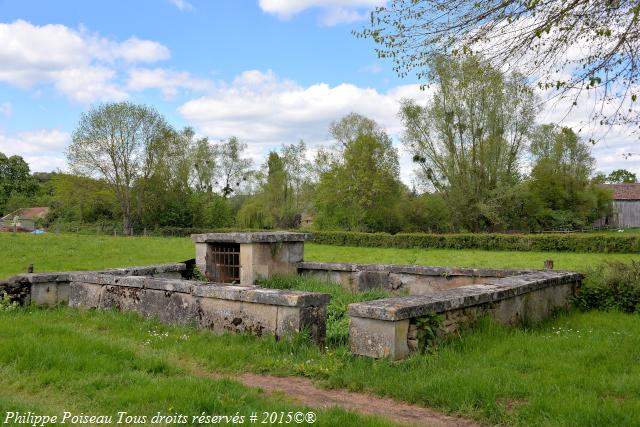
pixel 118 142
pixel 361 189
pixel 469 139
pixel 563 193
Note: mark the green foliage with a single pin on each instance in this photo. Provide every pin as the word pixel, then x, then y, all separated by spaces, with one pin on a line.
pixel 337 319
pixel 562 194
pixel 468 141
pixel 612 285
pixel 361 189
pixel 590 242
pixel 277 204
pixel 426 213
pixel 82 199
pixel 15 182
pixel 6 304
pixel 621 176
pixel 428 328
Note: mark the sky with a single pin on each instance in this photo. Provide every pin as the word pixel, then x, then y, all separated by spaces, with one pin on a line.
pixel 270 72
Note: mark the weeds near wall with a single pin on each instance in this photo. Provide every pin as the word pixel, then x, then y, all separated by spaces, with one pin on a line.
pixel 6 304
pixel 611 286
pixel 427 331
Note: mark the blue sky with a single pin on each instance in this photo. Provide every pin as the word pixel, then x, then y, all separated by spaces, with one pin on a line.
pixel 268 71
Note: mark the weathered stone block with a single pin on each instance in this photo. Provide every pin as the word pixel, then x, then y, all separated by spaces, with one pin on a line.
pixel 236 316
pixel 44 293
pixel 378 338
pixel 85 295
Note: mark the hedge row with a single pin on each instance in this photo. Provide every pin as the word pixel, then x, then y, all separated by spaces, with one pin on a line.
pixel 495 242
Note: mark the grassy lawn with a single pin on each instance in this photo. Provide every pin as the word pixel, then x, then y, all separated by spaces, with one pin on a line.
pixel 574 370
pixel 578 369
pixel 68 252
pixel 570 261
pixel 64 252
pixel 52 361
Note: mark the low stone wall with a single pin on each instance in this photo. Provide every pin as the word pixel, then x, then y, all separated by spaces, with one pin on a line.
pixel 388 327
pixel 220 308
pixel 53 288
pixel 417 280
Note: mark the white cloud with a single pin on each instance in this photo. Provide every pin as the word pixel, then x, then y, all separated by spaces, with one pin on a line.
pixel 81 65
pixel 341 15
pixel 6 109
pixel 260 107
pixel 336 11
pixel 169 82
pixel 183 5
pixel 267 111
pixel 43 149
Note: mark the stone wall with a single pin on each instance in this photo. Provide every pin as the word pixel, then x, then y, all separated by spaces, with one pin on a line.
pixel 416 280
pixel 220 308
pixel 53 288
pixel 383 328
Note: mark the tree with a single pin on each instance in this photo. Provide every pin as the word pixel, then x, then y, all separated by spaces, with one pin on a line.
pixel 468 141
pixel 595 44
pixel 233 169
pixel 15 179
pixel 205 157
pixel 560 183
pixel 118 142
pixel 83 199
pixel 362 189
pixel 621 176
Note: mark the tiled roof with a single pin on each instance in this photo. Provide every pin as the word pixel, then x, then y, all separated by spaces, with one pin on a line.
pixel 28 213
pixel 624 191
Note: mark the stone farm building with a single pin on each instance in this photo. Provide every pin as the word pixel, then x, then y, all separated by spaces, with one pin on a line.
pixel 25 219
pixel 626 206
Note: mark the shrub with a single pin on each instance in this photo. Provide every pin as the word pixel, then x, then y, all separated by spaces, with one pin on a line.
pixel 496 242
pixel 613 285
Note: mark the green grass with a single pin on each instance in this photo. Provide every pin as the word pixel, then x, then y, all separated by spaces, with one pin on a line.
pixel 570 261
pixel 578 369
pixel 67 252
pixel 53 361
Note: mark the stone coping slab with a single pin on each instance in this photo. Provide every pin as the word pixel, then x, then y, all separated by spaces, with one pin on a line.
pixel 252 294
pixel 257 237
pixel 412 269
pixel 394 309
pixel 67 276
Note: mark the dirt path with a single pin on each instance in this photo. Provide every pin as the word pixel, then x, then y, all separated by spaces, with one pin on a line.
pixel 303 390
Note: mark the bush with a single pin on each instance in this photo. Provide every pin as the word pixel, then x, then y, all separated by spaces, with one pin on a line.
pixel 601 243
pixel 612 286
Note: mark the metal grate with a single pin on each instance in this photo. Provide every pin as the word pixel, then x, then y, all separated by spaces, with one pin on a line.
pixel 224 262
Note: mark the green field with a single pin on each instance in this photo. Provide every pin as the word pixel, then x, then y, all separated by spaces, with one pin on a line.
pixel 58 360
pixel 577 369
pixel 66 252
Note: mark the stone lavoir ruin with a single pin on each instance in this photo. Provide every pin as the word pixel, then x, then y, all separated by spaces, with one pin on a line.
pixel 230 301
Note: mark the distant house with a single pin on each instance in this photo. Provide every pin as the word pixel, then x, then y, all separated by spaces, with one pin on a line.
pixel 306 220
pixel 23 219
pixel 626 206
